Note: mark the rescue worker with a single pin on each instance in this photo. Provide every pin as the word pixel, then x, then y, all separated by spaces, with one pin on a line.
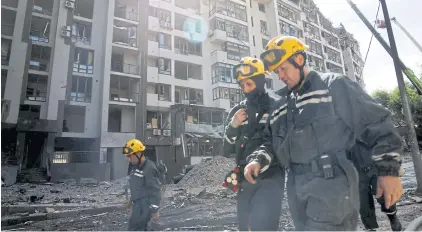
pixel 309 131
pixel 145 191
pixel 258 206
pixel 367 189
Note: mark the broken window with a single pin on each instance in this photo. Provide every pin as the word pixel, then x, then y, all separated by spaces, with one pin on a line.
pixel 81 89
pixel 234 95
pixel 334 68
pixel 84 8
pixel 29 111
pixel 183 70
pixel 6 45
pixel 164 66
pixel 192 4
pixel 311 15
pixel 121 119
pixel 158 120
pixel 261 7
pixel 228 8
pixel 124 89
pixel 126 10
pixel 188 96
pixel 332 54
pixel 237 31
pixel 40 29
pixel 316 63
pixel 289 29
pixel 124 35
pixel 83 61
pixel 162 90
pixel 43 6
pixel 314 46
pixel 287 12
pixel 222 72
pixel 235 51
pixel 40 58
pixel 74 119
pixel 82 32
pixel 264 43
pixel 264 28
pixel 36 88
pixel 183 46
pixel 311 31
pixel 164 18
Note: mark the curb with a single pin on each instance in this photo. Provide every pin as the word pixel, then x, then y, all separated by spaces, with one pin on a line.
pixel 56 215
pixel 13 209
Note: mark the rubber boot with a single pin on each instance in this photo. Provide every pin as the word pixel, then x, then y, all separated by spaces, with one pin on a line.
pixel 394 222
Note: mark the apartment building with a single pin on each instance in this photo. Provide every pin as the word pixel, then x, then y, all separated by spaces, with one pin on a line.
pixel 74 90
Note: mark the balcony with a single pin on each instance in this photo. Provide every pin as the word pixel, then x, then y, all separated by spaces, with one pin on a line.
pixel 125 68
pixel 8 18
pixel 153 48
pixel 218 56
pixel 217 36
pixel 154 100
pixel 125 35
pixel 124 89
pixel 126 10
pixel 121 119
pixel 7 30
pixel 44 7
pixel 6 46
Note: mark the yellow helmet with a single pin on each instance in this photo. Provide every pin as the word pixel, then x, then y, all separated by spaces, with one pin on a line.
pixel 248 67
pixel 132 146
pixel 280 49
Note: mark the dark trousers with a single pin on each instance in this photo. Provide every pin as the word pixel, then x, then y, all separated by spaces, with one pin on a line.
pixel 320 204
pixel 259 205
pixel 140 216
pixel 367 190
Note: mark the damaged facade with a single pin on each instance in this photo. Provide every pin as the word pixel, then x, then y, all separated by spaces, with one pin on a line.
pixel 72 83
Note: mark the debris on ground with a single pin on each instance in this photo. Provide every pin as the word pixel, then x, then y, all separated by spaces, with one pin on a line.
pixel 210 173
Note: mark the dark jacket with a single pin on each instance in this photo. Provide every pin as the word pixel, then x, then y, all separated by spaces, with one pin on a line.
pixel 329 114
pixel 245 139
pixel 144 182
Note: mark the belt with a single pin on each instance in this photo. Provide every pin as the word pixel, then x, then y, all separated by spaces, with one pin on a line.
pixel 317 165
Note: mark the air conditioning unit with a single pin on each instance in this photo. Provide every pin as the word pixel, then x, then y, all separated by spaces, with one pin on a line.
pixel 70 4
pixel 149 125
pixel 167 133
pixel 156 132
pixel 66 31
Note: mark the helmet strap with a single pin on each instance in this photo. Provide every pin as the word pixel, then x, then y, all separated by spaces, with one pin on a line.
pixel 301 72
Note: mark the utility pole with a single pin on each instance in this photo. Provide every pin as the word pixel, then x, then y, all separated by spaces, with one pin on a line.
pixel 409 73
pixel 417 162
pixel 407 33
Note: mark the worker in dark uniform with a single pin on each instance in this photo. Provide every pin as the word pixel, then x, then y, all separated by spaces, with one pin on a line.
pixel 145 187
pixel 367 189
pixel 259 205
pixel 311 128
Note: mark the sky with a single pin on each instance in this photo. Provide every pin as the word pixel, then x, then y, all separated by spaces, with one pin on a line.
pixel 379 72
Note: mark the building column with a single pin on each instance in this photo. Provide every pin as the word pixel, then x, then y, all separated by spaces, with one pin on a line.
pixel 20 149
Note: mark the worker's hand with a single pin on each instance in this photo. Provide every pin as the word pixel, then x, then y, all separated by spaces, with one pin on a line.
pixel 155 217
pixel 391 188
pixel 238 118
pixel 252 168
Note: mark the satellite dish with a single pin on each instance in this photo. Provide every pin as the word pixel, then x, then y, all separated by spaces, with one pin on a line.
pixel 196 29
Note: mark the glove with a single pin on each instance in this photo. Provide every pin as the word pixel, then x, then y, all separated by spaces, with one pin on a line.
pixel 128 204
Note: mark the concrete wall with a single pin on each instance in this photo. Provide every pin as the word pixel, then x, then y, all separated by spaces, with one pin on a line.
pixel 118 163
pixel 15 75
pixel 100 172
pixel 75 118
pixel 128 119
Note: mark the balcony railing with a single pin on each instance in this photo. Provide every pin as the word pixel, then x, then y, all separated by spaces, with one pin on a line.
pixel 126 14
pixel 83 68
pixel 35 96
pixel 80 97
pixel 7 29
pixel 40 10
pixel 36 35
pixel 125 68
pixel 39 65
pixel 130 42
pixel 124 97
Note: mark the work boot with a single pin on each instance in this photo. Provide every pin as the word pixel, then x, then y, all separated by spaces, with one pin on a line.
pixel 394 222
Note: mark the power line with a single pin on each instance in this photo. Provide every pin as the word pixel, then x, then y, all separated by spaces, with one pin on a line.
pixel 370 41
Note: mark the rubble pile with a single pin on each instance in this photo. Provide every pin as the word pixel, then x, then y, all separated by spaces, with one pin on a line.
pixel 209 173
pixel 85 192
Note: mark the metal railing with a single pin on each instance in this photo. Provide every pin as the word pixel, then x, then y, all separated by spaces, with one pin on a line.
pixel 126 14
pixel 124 97
pixel 7 29
pixel 39 64
pixel 80 97
pixel 83 68
pixel 36 35
pixel 130 42
pixel 125 68
pixel 63 157
pixel 36 96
